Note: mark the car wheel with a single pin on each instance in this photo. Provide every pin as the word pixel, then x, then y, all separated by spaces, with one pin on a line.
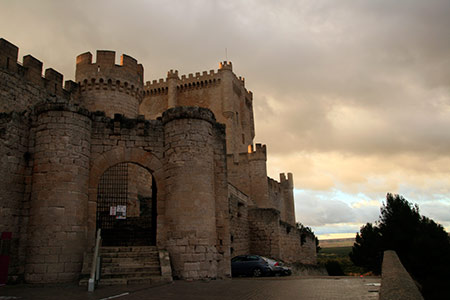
pixel 257 272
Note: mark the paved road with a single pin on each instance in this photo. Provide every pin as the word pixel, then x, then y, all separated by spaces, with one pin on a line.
pixel 302 288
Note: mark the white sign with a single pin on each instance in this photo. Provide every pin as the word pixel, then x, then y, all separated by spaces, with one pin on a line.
pixel 112 210
pixel 121 212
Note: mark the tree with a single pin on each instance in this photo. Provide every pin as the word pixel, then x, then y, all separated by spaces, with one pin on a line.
pixel 422 245
pixel 366 251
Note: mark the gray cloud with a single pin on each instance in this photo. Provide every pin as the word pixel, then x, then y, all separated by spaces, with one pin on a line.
pixel 350 95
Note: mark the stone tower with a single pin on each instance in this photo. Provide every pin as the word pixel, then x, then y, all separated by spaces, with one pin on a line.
pixel 105 86
pixel 58 210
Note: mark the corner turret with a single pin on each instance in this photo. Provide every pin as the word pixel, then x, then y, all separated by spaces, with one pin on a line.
pixel 172 81
pixel 287 184
pixel 108 87
pixel 226 65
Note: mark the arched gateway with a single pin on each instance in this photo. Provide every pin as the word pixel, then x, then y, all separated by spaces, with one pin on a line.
pixel 124 191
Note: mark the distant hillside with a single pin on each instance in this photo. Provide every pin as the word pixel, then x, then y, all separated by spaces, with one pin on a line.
pixel 336 243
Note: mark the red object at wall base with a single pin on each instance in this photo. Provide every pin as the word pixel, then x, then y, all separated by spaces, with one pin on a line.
pixel 5 243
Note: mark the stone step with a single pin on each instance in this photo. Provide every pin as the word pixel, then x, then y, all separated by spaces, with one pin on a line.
pixel 153 255
pixel 130 274
pixel 130 270
pixel 130 264
pixel 130 260
pixel 129 249
pixel 131 280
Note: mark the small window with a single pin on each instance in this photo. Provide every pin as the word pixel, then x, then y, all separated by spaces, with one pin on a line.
pixel 7 63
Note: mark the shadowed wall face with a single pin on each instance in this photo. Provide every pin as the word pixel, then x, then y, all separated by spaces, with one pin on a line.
pixel 190 205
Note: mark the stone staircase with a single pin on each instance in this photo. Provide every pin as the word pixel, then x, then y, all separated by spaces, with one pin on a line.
pixel 130 265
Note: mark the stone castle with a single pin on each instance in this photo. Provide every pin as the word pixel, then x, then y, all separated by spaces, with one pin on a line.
pixel 168 163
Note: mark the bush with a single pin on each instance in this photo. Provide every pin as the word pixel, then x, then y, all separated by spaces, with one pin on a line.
pixel 334 268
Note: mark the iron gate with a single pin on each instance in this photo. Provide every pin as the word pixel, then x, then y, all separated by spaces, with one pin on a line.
pixel 118 229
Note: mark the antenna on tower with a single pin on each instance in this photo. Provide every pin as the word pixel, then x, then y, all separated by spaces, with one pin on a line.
pixel 226 54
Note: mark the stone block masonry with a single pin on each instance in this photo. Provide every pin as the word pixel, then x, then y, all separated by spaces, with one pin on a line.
pixel 190 203
pixel 14 161
pixel 187 144
pixel 57 226
pixel 271 237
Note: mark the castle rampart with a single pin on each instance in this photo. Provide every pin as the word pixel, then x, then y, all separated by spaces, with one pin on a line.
pixel 23 85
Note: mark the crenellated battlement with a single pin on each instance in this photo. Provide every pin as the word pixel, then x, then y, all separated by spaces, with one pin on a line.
pixel 284 183
pixel 287 183
pixel 31 70
pixel 226 65
pixel 185 82
pixel 199 80
pixel 274 185
pixel 258 153
pixel 104 74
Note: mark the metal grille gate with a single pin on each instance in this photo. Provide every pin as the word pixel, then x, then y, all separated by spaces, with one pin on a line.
pixel 118 230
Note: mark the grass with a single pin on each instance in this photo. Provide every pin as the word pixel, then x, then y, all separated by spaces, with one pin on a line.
pixel 338 256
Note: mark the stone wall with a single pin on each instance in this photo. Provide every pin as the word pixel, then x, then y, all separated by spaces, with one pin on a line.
pixel 139 187
pixel 396 283
pixel 296 246
pixel 57 226
pixel 248 173
pixel 190 204
pixel 14 161
pixel 264 231
pixel 277 239
pixel 223 226
pixel 239 226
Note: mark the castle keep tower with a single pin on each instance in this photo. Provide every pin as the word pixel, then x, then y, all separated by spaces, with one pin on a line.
pixel 105 86
pixel 220 91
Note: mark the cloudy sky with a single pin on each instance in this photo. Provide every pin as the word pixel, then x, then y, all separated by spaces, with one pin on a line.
pixel 353 97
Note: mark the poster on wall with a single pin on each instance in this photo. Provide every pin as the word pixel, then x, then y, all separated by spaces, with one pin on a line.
pixel 121 212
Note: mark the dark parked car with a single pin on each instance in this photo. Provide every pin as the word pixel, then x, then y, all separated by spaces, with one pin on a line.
pixel 277 267
pixel 250 265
